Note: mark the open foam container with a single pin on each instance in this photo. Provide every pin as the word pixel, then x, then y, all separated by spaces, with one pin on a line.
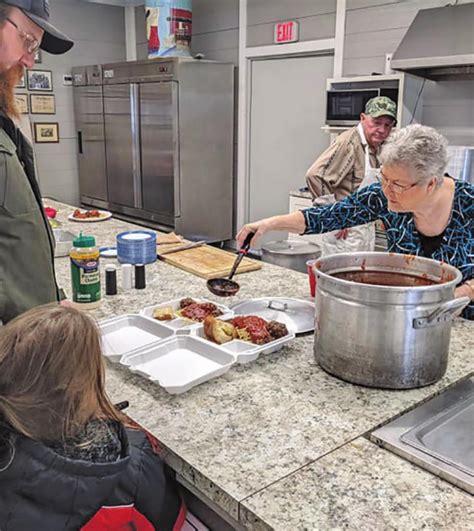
pixel 177 355
pixel 180 363
pixel 181 324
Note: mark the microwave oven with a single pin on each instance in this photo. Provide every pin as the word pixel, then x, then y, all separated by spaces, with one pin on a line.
pixel 344 106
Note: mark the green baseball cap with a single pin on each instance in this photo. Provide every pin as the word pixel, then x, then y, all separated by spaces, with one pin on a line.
pixel 381 106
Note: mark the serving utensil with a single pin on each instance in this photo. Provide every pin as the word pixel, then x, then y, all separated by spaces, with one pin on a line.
pixel 185 247
pixel 226 287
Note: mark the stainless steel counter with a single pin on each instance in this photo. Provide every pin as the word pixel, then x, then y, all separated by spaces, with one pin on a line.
pixel 438 435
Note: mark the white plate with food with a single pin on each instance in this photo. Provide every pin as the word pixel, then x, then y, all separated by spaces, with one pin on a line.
pixel 88 216
pixel 180 363
pixel 245 336
pixel 182 315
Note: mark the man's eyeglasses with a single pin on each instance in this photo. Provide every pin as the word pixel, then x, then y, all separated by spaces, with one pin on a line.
pixel 31 43
pixel 396 188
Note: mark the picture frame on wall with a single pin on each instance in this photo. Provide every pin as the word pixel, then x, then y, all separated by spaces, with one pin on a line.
pixel 38 58
pixel 21 101
pixel 21 83
pixel 42 104
pixel 46 133
pixel 40 80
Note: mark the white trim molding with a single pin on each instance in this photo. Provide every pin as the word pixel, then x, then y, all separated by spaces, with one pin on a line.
pixel 339 38
pixel 294 48
pixel 241 200
pixel 130 34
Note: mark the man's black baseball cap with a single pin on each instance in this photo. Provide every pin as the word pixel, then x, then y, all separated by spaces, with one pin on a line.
pixel 53 40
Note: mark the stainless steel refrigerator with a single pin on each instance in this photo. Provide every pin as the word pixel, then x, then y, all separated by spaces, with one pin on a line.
pixel 167 144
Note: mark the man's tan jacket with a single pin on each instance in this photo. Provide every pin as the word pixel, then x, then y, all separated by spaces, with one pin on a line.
pixel 340 169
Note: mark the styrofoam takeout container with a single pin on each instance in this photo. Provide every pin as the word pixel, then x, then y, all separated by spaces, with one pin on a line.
pixel 179 324
pixel 127 333
pixel 63 242
pixel 180 362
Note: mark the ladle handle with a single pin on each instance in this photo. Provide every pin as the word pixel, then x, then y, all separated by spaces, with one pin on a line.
pixel 243 251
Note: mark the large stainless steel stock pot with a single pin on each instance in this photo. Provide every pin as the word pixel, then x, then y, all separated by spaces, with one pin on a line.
pixel 384 319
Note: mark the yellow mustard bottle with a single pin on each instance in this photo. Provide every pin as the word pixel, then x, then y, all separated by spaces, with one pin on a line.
pixel 85 272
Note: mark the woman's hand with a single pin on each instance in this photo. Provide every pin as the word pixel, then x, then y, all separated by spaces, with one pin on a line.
pixel 465 290
pixel 293 222
pixel 259 227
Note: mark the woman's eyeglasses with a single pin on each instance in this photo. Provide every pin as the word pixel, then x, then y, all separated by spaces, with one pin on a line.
pixel 396 188
pixel 32 44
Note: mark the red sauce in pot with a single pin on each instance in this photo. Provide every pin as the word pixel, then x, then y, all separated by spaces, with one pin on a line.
pixel 385 278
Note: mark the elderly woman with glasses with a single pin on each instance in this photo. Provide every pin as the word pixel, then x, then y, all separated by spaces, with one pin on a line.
pixel 424 212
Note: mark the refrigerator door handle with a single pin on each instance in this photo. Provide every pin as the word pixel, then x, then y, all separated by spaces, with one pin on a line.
pixel 136 142
pixel 177 166
pixel 79 142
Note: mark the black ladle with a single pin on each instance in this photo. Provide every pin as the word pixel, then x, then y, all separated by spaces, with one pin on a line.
pixel 226 287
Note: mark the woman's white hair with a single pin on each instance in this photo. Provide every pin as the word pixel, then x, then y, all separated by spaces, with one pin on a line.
pixel 418 148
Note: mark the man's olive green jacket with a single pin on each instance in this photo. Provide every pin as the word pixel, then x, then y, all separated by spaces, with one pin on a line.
pixel 27 276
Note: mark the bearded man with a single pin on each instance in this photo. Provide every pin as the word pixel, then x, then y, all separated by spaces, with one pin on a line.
pixel 27 277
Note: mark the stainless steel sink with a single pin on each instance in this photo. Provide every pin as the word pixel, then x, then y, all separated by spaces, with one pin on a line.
pixel 438 435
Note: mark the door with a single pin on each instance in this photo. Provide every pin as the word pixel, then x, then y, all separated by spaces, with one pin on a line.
pixel 122 134
pixel 288 105
pixel 158 117
pixel 91 141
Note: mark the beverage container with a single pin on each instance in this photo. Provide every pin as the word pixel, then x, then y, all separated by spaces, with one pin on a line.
pixel 85 274
pixel 311 276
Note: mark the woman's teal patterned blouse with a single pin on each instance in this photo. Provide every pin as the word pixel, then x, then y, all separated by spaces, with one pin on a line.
pixel 369 204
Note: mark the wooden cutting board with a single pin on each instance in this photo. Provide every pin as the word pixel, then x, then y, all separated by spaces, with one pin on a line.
pixel 209 262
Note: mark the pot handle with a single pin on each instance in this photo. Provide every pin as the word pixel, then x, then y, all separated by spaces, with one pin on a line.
pixel 275 305
pixel 445 312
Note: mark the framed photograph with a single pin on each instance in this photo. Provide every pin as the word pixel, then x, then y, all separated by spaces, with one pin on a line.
pixel 40 80
pixel 38 59
pixel 42 104
pixel 46 133
pixel 22 103
pixel 21 83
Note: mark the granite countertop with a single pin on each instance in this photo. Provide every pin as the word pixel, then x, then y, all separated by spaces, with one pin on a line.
pixel 360 486
pixel 274 442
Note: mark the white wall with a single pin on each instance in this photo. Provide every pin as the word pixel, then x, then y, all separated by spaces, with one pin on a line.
pixel 215 30
pixel 316 19
pixel 375 28
pixel 98 31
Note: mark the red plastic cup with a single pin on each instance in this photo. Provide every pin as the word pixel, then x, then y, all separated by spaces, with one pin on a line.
pixel 311 276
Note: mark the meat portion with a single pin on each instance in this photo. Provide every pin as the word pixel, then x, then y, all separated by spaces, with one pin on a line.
pixel 86 214
pixel 198 311
pixel 186 302
pixel 276 329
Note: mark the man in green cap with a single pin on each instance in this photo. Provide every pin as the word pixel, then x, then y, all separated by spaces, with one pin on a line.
pixel 349 163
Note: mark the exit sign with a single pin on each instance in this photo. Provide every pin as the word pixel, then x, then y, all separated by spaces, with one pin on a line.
pixel 286 32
